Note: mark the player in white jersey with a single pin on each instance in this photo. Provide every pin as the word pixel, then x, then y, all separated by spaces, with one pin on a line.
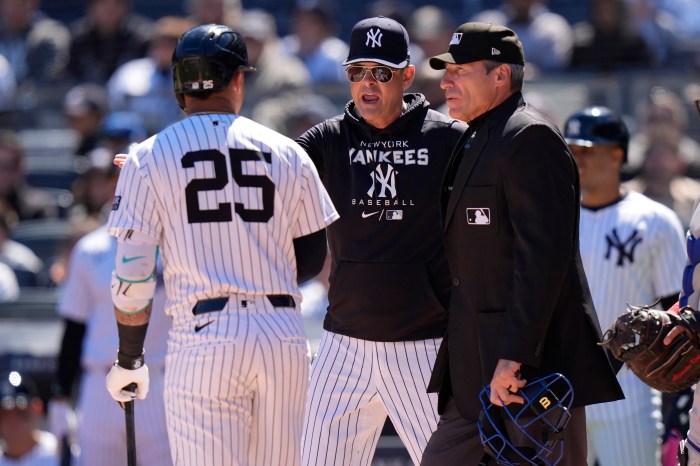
pixel 240 214
pixel 632 251
pixel 89 339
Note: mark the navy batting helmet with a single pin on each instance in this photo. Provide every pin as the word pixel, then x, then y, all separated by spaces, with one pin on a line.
pixel 16 391
pixel 596 125
pixel 541 419
pixel 206 57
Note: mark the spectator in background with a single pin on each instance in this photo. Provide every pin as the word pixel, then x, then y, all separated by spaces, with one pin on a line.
pixel 21 410
pixel 29 202
pixel 94 189
pixel 108 36
pixel 430 27
pixel 36 46
pixel 547 37
pixel 278 73
pixel 654 25
pixel 226 12
pixel 400 11
pixel 663 113
pixel 121 129
pixel 663 178
pixel 313 40
pixel 685 45
pixel 293 114
pixel 427 82
pixel 145 85
pixel 85 106
pixel 26 265
pixel 608 41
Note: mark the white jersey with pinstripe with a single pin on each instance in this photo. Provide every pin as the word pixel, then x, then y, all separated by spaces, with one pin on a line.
pixel 225 197
pixel 85 298
pixel 632 252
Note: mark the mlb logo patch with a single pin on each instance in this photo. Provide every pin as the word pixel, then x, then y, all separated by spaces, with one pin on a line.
pixel 478 216
pixel 394 214
pixel 456 38
pixel 115 203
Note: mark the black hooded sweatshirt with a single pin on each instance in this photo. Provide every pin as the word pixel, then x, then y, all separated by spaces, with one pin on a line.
pixel 389 279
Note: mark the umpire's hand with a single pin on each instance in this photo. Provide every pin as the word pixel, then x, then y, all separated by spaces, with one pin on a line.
pixel 118 378
pixel 506 382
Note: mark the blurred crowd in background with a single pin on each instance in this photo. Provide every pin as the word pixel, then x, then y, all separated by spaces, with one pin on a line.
pixel 80 80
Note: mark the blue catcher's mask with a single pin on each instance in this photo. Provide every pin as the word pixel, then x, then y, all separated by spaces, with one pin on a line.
pixel 541 420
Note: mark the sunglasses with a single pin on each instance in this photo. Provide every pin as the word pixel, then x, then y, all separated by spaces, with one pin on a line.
pixel 381 74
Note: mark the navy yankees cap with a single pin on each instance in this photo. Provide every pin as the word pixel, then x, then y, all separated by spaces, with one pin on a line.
pixel 481 41
pixel 380 40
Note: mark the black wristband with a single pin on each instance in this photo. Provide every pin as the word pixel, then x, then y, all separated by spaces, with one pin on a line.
pixel 131 339
pixel 129 362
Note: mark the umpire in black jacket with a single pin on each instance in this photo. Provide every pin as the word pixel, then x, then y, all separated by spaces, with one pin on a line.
pixel 520 302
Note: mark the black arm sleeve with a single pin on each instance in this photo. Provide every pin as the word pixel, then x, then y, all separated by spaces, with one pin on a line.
pixel 310 251
pixel 69 357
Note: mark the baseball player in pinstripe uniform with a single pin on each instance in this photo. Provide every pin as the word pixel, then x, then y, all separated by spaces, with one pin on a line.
pixel 239 213
pixel 382 162
pixel 88 343
pixel 632 251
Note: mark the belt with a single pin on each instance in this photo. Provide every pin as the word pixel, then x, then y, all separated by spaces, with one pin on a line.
pixel 214 305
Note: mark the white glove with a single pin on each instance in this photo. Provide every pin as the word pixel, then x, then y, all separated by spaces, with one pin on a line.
pixel 62 420
pixel 118 378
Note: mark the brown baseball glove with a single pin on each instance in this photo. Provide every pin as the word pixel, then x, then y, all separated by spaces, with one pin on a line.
pixel 637 339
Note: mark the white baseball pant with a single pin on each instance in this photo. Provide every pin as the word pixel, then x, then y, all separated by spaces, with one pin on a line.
pixel 354 385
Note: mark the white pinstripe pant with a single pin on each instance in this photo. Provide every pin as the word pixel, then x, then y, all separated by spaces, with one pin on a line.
pixel 354 385
pixel 235 391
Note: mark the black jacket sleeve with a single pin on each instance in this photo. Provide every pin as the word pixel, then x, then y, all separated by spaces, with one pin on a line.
pixel 310 251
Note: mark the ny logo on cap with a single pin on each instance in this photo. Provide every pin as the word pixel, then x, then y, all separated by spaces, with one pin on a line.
pixel 456 38
pixel 375 37
pixel 495 51
pixel 574 127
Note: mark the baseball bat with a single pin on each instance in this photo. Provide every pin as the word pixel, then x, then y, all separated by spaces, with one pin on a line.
pixel 130 429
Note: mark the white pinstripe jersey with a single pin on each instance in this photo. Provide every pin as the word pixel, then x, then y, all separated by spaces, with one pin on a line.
pixel 633 252
pixel 224 197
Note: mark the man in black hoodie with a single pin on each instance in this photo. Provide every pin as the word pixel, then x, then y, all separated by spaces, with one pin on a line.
pixel 382 163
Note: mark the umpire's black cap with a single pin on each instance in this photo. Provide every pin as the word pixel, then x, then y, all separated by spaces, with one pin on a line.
pixel 16 391
pixel 477 41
